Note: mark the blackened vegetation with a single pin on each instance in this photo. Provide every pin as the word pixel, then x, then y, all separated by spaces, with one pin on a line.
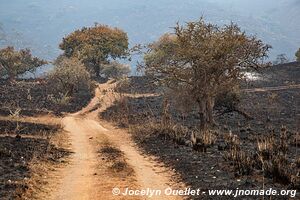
pixel 283 74
pixel 239 152
pixel 118 113
pixel 18 153
pixel 33 97
pixel 138 85
pixel 27 128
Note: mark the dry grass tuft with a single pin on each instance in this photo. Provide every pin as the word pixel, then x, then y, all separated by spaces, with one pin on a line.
pixel 232 141
pixel 266 147
pixel 272 158
pixel 242 162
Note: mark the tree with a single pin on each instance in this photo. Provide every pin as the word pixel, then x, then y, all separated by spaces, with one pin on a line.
pixel 298 55
pixel 203 60
pixel 281 59
pixel 96 46
pixel 69 76
pixel 116 70
pixel 14 63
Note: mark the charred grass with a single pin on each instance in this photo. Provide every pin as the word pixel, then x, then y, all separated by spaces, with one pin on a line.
pixel 33 97
pixel 27 128
pixel 238 153
pixel 27 152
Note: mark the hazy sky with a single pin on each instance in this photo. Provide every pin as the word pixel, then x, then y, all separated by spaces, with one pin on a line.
pixel 41 24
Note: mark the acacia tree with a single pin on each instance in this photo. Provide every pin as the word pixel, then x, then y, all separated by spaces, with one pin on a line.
pixel 14 63
pixel 95 46
pixel 298 55
pixel 202 60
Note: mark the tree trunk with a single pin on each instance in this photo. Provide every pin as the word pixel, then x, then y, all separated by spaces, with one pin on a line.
pixel 97 70
pixel 166 116
pixel 11 77
pixel 206 106
pixel 202 114
pixel 210 103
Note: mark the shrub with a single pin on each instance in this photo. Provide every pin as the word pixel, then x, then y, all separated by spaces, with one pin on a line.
pixel 69 77
pixel 60 99
pixel 229 100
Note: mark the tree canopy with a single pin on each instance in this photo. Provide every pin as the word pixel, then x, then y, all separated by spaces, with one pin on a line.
pixel 14 63
pixel 96 46
pixel 203 60
pixel 69 76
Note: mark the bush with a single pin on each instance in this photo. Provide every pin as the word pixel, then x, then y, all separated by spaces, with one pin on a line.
pixel 69 77
pixel 229 99
pixel 116 70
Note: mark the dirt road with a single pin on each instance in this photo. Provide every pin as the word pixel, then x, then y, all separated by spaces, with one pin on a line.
pixel 87 175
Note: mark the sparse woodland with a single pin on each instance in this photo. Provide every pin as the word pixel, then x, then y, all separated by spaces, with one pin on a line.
pixel 193 107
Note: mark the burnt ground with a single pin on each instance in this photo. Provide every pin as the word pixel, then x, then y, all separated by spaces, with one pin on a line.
pixel 33 97
pixel 27 128
pixel 284 74
pixel 21 148
pixel 270 110
pixel 28 150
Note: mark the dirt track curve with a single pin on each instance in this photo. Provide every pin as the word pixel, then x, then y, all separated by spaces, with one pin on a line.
pixel 83 178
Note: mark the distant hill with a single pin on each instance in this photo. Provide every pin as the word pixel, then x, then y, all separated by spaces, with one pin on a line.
pixel 40 25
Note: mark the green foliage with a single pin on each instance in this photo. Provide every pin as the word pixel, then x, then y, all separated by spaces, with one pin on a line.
pixel 68 77
pixel 116 70
pixel 14 63
pixel 95 46
pixel 298 55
